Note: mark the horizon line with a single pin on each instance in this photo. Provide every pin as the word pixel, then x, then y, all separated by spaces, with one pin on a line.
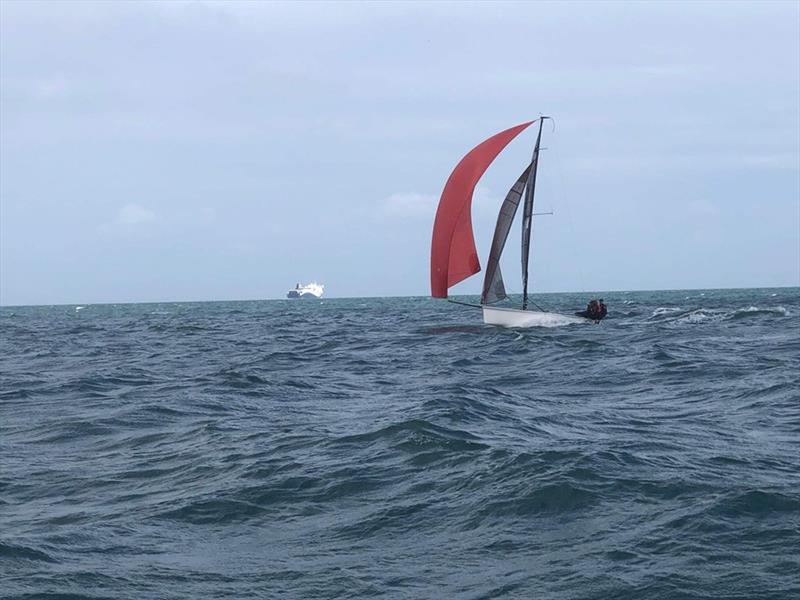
pixel 273 299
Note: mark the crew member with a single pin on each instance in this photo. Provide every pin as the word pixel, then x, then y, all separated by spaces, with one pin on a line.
pixel 602 311
pixel 592 310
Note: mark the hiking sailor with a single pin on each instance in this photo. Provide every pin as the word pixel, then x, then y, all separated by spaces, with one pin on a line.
pixel 596 310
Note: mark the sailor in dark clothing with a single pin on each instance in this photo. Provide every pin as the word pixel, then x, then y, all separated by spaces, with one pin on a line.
pixel 602 311
pixel 595 311
pixel 591 310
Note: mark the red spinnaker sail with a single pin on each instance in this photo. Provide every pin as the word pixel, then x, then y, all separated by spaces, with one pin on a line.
pixel 453 253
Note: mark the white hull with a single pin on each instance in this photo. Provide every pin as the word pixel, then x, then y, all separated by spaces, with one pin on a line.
pixel 511 317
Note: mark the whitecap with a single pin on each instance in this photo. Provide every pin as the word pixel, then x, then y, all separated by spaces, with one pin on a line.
pixel 665 310
pixel 702 316
pixel 777 310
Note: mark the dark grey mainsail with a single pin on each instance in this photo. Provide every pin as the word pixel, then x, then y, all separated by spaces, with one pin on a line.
pixel 527 215
pixel 493 288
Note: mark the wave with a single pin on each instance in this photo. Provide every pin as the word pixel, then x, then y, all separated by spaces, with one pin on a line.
pixel 758 502
pixel 13 552
pixel 753 311
pixel 417 435
pixel 686 315
pixel 292 452
pixel 703 316
pixel 706 315
pixel 214 511
pixel 233 379
pixel 665 310
pixel 556 320
pixel 552 498
pixel 59 596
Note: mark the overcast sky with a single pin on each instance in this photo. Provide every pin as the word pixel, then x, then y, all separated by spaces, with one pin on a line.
pixel 213 151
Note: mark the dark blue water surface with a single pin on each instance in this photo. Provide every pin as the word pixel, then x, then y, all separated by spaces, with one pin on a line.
pixel 399 448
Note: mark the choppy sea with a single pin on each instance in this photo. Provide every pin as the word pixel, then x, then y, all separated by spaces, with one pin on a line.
pixel 398 448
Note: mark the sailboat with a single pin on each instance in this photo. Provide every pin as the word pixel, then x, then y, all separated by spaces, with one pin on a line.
pixel 454 257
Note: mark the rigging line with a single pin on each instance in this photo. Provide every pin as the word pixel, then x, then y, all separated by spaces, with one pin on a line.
pixel 451 301
pixel 563 194
pixel 529 301
pixel 537 306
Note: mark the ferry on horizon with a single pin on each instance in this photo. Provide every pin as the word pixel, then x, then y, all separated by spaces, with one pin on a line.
pixel 311 290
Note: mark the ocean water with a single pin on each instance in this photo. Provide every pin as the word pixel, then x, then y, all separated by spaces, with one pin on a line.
pixel 398 448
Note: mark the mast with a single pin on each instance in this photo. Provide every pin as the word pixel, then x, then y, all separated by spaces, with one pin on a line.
pixel 527 215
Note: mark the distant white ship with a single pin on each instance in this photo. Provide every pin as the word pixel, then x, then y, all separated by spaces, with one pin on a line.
pixel 312 290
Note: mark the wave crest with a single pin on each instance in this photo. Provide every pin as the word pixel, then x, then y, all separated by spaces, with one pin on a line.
pixel 711 315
